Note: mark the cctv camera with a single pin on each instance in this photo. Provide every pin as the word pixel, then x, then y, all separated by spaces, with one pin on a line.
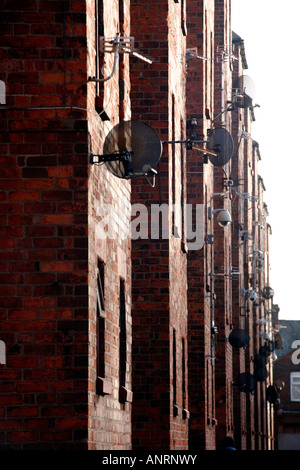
pixel 253 296
pixel 224 218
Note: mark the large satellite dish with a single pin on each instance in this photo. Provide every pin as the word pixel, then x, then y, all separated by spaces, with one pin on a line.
pixel 246 382
pixel 131 149
pixel 220 142
pixel 243 89
pixel 238 338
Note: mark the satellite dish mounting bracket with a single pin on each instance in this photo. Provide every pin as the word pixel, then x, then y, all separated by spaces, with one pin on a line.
pixel 112 157
pixel 124 157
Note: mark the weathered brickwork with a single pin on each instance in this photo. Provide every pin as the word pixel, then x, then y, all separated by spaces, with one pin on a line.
pixel 113 343
pixel 50 199
pixel 200 106
pixel 159 309
pixel 109 196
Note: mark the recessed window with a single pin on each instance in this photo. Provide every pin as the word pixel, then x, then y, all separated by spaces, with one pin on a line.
pixel 100 321
pixel 123 354
pixel 103 386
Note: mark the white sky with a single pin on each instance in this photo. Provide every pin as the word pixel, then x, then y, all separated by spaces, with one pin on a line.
pixel 271 33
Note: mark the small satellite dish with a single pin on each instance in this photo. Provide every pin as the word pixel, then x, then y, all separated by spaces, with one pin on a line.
pixel 267 292
pixel 267 348
pixel 272 394
pixel 278 341
pixel 246 382
pixel 261 374
pixel 220 142
pixel 260 360
pixel 131 149
pixel 264 350
pixel 244 91
pixel 279 384
pixel 238 338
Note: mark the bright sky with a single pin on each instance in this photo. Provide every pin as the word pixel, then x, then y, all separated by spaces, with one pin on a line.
pixel 271 33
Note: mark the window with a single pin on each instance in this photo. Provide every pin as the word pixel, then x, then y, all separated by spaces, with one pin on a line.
pixel 125 395
pixel 174 229
pixel 295 386
pixel 123 355
pixel 183 192
pixel 175 407
pixel 100 321
pixel 183 375
pixel 103 386
pixel 103 89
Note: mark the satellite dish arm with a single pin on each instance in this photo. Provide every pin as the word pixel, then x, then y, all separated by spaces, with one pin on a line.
pixel 111 157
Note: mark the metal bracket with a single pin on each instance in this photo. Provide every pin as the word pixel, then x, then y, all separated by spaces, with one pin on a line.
pixel 122 156
pixel 209 239
pixel 126 44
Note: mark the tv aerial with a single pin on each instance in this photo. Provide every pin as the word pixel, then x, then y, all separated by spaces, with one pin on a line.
pixel 243 90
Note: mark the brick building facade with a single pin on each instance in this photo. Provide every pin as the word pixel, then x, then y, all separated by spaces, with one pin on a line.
pixel 61 386
pixel 112 342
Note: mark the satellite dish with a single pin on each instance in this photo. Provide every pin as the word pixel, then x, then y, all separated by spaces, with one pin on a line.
pixel 220 142
pixel 260 360
pixel 267 348
pixel 279 384
pixel 244 91
pixel 239 338
pixel 278 341
pixel 246 382
pixel 264 350
pixel 131 149
pixel 272 394
pixel 267 292
pixel 261 374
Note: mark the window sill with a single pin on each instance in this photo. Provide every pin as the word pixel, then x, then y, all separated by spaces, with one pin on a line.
pixel 125 395
pixel 103 386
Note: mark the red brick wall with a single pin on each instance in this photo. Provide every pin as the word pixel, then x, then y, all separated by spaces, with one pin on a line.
pixel 110 416
pixel 222 236
pixel 238 257
pixel 50 207
pixel 159 266
pixel 44 228
pixel 200 105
